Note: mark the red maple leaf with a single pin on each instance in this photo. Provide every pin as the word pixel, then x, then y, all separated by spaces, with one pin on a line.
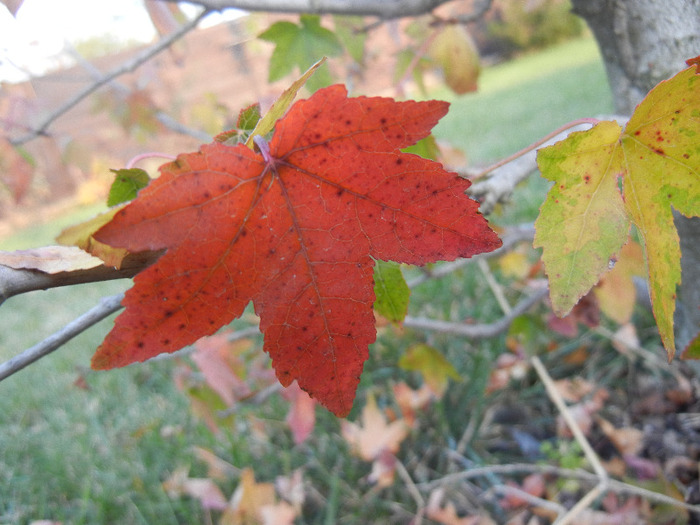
pixel 295 229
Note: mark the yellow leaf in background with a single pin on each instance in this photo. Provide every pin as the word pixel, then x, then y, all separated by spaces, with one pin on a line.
pixel 204 489
pixel 432 365
pixel 616 293
pixel 514 264
pixel 247 502
pixel 374 435
pixel 80 235
pixel 454 50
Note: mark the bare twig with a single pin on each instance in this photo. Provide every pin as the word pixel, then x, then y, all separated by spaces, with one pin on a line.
pixel 511 171
pixel 512 237
pixel 126 67
pixel 528 468
pixel 476 331
pixel 162 117
pixel 496 288
pixel 412 490
pixel 385 9
pixel 603 478
pixel 526 496
pixel 106 307
pixel 15 282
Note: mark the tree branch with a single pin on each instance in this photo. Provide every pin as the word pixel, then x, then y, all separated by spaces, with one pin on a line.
pixel 162 117
pixel 476 331
pixel 18 281
pixel 499 186
pixel 382 9
pixel 106 307
pixel 126 67
pixel 525 468
pixel 514 235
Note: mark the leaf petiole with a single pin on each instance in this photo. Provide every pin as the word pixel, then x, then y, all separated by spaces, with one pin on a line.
pixel 264 148
pixel 151 155
pixel 534 145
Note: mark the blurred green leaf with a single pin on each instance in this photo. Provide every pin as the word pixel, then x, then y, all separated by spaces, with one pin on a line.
pixel 300 46
pixel 432 365
pixel 692 351
pixel 248 117
pixel 426 148
pixel 391 291
pixel 126 185
pixel 350 31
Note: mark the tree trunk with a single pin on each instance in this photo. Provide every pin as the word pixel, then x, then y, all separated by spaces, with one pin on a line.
pixel 642 43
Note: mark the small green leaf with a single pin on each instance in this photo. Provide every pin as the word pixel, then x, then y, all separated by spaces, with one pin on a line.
pixel 300 46
pixel 126 185
pixel 426 148
pixel 432 365
pixel 391 291
pixel 692 351
pixel 248 117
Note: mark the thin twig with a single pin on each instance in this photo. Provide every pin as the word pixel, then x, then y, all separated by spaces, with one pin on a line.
pixel 496 288
pixel 162 117
pixel 640 351
pixel 592 457
pixel 18 281
pixel 476 331
pixel 618 487
pixel 511 171
pixel 106 307
pixel 526 496
pixel 551 135
pixel 126 67
pixel 412 489
pixel 235 335
pixel 386 9
pixel 513 236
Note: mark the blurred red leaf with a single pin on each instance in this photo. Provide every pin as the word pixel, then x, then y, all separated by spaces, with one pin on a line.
pixel 446 513
pixel 301 417
pixel 223 370
pixel 15 170
pixel 411 401
pixel 204 489
pixel 374 435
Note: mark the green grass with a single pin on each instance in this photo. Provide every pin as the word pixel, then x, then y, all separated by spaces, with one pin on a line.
pixel 99 455
pixel 45 233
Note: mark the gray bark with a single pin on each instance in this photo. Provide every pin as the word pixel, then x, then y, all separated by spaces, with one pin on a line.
pixel 644 42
